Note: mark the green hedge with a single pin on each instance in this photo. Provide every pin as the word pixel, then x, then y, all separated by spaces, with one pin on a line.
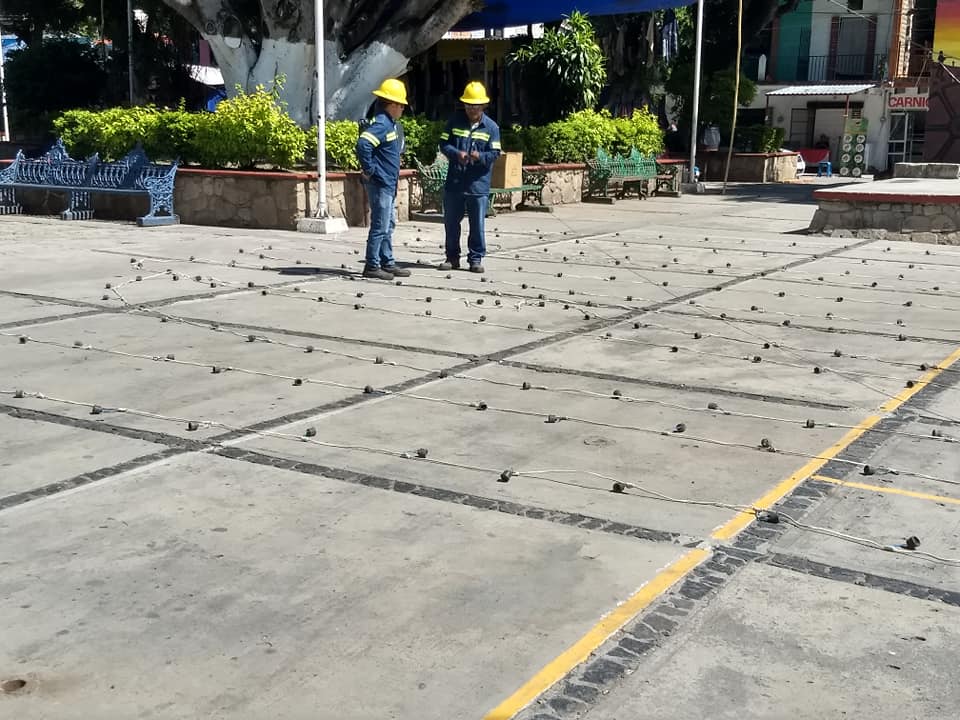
pixel 253 129
pixel 579 136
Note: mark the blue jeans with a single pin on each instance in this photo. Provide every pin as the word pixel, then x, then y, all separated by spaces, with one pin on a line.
pixel 455 206
pixel 382 223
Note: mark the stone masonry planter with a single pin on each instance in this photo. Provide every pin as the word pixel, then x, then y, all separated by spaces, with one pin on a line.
pixel 750 167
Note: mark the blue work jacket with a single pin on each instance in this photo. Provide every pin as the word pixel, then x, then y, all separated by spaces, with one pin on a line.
pixel 474 177
pixel 379 149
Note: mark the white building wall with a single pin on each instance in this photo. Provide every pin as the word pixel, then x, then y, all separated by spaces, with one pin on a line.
pixel 825 10
pixel 830 121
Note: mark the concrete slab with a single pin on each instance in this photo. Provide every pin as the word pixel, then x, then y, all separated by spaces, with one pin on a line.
pixel 34 453
pixel 400 318
pixel 868 373
pixel 192 392
pixel 217 588
pixel 14 310
pixel 777 644
pixel 678 465
pixel 889 518
pixel 858 309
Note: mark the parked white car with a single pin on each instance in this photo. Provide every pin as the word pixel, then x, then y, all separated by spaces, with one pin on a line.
pixel 801 164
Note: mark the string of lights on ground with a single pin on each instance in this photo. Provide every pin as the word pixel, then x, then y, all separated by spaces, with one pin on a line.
pixel 604 291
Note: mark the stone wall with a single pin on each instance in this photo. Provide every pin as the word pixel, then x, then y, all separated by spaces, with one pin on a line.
pixel 927 171
pixel 564 184
pixel 749 167
pixel 930 223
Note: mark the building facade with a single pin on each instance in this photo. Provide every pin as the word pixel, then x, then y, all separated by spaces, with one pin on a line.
pixel 831 63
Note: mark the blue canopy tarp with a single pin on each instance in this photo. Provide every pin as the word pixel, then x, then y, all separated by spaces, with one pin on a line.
pixel 504 13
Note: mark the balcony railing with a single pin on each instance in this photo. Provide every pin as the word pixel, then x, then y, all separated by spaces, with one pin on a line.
pixel 841 68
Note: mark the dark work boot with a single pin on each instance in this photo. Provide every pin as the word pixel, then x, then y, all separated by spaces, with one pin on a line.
pixel 397 271
pixel 450 264
pixel 476 268
pixel 377 274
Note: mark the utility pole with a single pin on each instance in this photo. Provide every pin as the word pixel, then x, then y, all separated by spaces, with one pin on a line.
pixel 3 95
pixel 696 91
pixel 321 222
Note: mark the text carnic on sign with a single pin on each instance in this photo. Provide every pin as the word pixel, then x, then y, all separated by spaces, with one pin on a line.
pixel 909 102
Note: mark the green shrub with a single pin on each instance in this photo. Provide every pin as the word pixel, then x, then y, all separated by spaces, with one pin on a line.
pixel 641 130
pixel 760 138
pixel 578 137
pixel 164 134
pixel 341 144
pixel 423 139
pixel 249 129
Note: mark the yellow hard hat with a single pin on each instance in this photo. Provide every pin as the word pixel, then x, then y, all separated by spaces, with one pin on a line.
pixel 475 94
pixel 392 90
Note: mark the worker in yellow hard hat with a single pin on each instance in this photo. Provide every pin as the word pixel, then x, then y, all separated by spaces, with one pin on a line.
pixel 471 142
pixel 379 150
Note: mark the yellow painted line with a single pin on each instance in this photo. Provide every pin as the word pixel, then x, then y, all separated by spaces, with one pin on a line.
pixel 597 635
pixel 889 490
pixel 580 651
pixel 729 530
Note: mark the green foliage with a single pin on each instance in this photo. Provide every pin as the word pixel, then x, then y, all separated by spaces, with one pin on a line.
pixel 760 138
pixel 564 71
pixel 44 79
pixel 245 131
pixel 341 144
pixel 248 129
pixel 164 134
pixel 578 137
pixel 423 137
pixel 641 131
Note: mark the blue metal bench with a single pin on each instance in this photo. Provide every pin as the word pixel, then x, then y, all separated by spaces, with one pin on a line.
pixel 133 175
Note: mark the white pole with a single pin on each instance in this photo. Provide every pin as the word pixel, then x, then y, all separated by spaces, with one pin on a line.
pixel 130 48
pixel 321 117
pixel 3 96
pixel 696 90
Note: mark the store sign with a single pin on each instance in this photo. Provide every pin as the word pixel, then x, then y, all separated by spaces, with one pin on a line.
pixel 909 102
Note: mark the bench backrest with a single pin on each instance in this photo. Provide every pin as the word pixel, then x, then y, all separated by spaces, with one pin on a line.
pixel 57 168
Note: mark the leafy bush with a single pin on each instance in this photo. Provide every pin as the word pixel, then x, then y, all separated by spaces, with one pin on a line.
pixel 249 129
pixel 760 138
pixel 577 138
pixel 423 139
pixel 164 134
pixel 341 144
pixel 641 130
pixel 563 71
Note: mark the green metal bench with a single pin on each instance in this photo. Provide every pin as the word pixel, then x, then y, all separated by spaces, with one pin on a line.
pixel 611 177
pixel 433 179
pixel 531 189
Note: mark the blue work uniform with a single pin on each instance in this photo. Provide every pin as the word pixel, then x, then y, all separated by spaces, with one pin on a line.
pixel 379 149
pixel 468 185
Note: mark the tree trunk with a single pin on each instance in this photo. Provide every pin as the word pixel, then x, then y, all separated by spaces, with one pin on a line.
pixel 367 41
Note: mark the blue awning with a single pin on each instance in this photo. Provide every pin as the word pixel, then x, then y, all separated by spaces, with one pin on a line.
pixel 503 13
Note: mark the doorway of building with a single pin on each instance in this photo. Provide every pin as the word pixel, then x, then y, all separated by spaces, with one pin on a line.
pixel 907 132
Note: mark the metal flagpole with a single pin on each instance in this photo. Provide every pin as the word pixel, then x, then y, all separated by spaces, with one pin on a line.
pixel 321 222
pixel 696 91
pixel 3 95
pixel 321 116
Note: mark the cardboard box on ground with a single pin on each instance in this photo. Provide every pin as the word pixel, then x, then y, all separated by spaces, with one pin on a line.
pixel 508 170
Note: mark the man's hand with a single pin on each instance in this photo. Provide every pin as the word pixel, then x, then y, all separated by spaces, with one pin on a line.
pixel 475 155
pixel 464 158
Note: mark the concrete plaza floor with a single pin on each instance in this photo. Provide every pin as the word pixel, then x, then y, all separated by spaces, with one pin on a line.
pixel 239 481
